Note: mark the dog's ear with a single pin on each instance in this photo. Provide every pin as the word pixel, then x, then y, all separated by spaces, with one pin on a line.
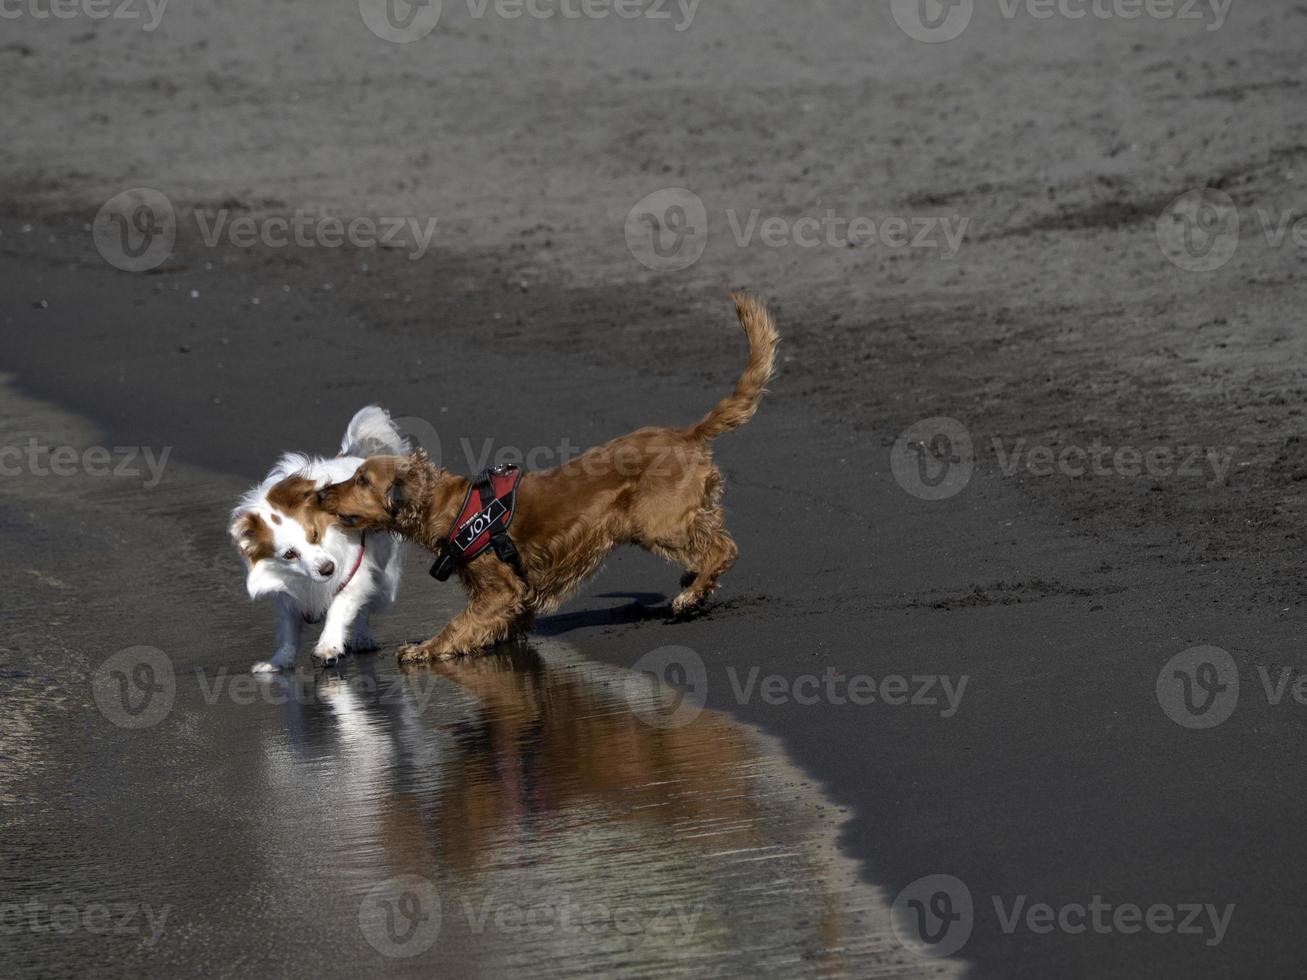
pixel 395 495
pixel 252 537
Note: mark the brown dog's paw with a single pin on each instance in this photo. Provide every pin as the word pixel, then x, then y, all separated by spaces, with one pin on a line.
pixel 413 653
pixel 688 602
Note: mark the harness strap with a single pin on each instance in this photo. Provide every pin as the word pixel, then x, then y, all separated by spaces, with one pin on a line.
pixel 494 516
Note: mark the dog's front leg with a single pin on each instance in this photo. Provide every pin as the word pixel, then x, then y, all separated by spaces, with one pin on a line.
pixel 490 617
pixel 345 610
pixel 290 623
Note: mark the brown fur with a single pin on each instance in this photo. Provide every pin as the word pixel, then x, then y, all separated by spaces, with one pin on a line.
pixel 253 538
pixel 655 488
pixel 297 498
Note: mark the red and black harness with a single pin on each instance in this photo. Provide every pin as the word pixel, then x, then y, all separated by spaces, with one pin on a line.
pixel 483 523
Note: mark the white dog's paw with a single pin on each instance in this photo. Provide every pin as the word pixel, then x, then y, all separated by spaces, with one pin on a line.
pixel 328 656
pixel 267 667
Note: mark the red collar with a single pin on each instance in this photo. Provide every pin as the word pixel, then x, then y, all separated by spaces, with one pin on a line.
pixel 358 563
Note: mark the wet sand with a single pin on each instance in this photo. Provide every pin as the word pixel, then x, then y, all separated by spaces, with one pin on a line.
pixel 531 811
pixel 1058 778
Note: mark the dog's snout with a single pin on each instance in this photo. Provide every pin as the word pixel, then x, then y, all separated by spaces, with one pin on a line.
pixel 326 568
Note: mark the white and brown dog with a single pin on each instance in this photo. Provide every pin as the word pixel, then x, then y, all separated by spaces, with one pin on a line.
pixel 298 553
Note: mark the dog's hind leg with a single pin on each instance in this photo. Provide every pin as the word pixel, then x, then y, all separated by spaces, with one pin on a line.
pixel 707 552
pixel 290 623
pixel 708 556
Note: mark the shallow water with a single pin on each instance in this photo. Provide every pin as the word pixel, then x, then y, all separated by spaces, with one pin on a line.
pixel 166 813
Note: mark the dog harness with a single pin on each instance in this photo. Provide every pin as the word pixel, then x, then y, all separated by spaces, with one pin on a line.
pixel 483 523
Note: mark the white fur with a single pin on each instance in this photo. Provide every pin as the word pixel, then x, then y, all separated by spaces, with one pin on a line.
pixel 300 589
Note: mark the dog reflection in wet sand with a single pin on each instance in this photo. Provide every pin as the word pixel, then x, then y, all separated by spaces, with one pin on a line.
pixel 544 743
pixel 656 488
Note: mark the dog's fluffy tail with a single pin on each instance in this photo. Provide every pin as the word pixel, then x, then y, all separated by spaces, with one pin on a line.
pixel 372 433
pixel 738 407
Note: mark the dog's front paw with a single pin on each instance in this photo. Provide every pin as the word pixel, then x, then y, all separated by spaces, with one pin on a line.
pixel 281 660
pixel 413 653
pixel 328 656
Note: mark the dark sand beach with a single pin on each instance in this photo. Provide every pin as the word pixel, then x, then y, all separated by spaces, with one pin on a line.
pixel 1043 599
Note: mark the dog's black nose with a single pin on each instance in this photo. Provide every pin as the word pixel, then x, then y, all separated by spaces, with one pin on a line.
pixel 326 568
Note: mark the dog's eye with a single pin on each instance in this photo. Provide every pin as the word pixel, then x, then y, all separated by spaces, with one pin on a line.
pixel 291 555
